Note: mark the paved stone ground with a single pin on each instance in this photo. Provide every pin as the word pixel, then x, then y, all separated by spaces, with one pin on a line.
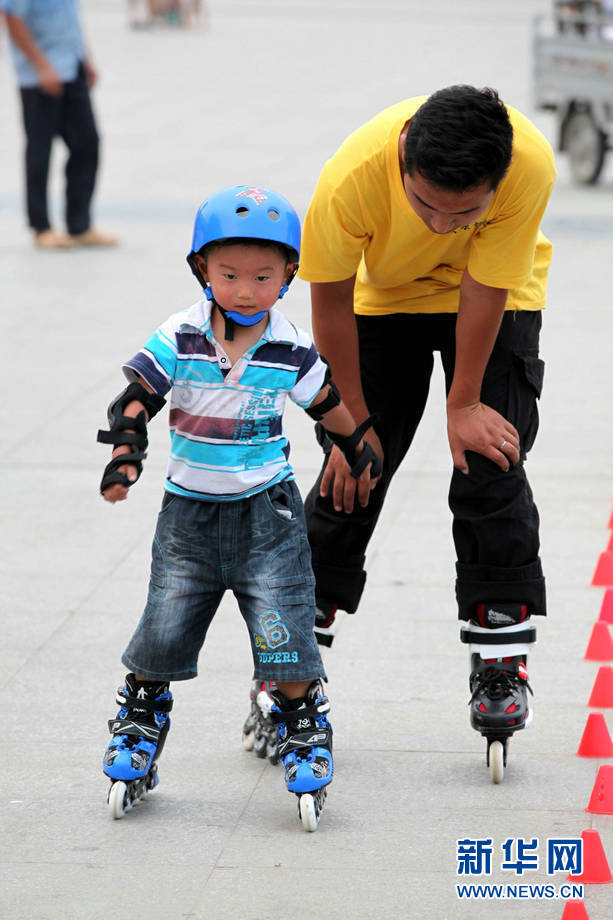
pixel 263 96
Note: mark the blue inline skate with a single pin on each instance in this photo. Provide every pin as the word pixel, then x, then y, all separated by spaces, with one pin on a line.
pixel 260 730
pixel 139 732
pixel 305 746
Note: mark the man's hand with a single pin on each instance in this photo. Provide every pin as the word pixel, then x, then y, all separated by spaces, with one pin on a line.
pixel 48 80
pixel 480 428
pixel 344 487
pixel 91 73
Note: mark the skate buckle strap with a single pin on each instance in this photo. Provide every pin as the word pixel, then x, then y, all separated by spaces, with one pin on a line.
pixel 305 712
pixel 304 741
pixel 138 729
pixel 497 636
pixel 142 703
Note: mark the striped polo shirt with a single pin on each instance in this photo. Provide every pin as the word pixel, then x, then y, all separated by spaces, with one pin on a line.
pixel 226 421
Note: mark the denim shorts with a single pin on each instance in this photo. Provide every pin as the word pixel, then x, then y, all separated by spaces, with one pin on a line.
pixel 257 548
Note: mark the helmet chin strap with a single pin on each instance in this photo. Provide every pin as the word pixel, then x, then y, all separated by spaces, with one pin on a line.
pixel 233 316
pixel 241 318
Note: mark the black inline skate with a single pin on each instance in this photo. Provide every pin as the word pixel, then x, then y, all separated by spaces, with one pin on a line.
pixel 325 615
pixel 260 730
pixel 305 747
pixel 139 732
pixel 499 640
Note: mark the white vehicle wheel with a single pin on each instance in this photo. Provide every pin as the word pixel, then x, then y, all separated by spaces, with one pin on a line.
pixel 586 147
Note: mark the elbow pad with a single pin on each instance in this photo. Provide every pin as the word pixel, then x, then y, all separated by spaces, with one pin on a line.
pixel 332 400
pixel 124 429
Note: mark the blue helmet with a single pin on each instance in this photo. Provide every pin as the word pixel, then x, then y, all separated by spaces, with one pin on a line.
pixel 245 212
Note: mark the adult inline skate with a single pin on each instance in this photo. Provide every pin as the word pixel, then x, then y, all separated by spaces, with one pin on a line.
pixel 305 747
pixel 499 641
pixel 139 732
pixel 325 615
pixel 259 730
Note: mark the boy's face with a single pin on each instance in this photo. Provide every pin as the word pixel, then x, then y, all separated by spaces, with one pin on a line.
pixel 247 279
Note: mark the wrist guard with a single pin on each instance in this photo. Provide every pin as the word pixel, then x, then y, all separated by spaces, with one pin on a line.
pixel 123 429
pixel 332 400
pixel 357 463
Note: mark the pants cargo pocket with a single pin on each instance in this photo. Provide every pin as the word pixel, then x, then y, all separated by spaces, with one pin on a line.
pixel 526 386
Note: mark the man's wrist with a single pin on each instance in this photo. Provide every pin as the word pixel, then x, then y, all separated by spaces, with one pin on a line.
pixel 460 399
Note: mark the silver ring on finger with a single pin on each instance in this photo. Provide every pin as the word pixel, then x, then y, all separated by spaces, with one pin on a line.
pixel 504 441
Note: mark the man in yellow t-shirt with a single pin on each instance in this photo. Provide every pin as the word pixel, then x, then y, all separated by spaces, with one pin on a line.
pixel 423 235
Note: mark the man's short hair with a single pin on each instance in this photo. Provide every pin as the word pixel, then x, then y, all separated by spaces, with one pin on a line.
pixel 459 138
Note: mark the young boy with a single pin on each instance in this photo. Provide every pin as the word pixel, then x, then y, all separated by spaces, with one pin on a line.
pixel 231 517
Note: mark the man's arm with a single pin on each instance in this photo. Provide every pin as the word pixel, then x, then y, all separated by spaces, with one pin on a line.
pixel 470 424
pixel 48 79
pixel 336 338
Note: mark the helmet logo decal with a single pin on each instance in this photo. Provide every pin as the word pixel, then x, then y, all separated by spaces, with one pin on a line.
pixel 257 194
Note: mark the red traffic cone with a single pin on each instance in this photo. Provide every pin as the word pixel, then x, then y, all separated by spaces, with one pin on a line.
pixel 601 800
pixel 604 570
pixel 606 611
pixel 600 646
pixel 596 740
pixel 602 691
pixel 595 866
pixel 610 544
pixel 575 910
pixel 610 525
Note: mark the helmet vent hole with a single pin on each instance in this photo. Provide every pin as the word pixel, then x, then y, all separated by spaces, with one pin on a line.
pixel 242 211
pixel 274 215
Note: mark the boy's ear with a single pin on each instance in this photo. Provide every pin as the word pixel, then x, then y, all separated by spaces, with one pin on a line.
pixel 201 265
pixel 290 270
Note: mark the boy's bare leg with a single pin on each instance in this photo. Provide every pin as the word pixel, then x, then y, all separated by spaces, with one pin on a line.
pixel 293 689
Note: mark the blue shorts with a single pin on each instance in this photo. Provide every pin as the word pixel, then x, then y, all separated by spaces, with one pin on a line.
pixel 256 547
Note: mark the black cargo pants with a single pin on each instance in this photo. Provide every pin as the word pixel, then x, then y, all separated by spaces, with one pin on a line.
pixel 495 520
pixel 71 117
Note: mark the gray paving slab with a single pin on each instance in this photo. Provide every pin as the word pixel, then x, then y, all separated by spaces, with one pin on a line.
pixel 265 95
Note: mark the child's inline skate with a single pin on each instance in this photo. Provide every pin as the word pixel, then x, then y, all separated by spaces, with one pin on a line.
pixel 305 747
pixel 499 641
pixel 260 730
pixel 139 732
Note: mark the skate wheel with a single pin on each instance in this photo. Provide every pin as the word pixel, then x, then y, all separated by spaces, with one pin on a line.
pixel 152 778
pixel 259 746
pixel 248 741
pixel 272 752
pixel 496 756
pixel 308 812
pixel 118 795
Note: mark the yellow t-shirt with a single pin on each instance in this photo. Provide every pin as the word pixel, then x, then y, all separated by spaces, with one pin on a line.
pixel 360 220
